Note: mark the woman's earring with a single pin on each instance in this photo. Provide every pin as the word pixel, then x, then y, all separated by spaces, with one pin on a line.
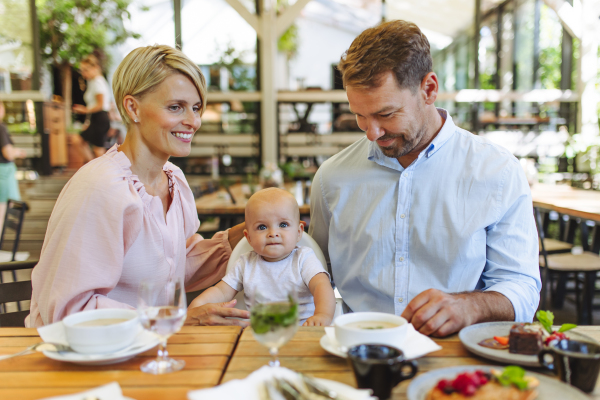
pixel 135 120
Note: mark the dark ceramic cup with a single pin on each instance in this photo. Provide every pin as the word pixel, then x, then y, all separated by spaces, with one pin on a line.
pixel 380 368
pixel 576 363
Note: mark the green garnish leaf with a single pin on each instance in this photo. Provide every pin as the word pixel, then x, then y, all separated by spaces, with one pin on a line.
pixel 546 318
pixel 513 375
pixel 270 316
pixel 567 327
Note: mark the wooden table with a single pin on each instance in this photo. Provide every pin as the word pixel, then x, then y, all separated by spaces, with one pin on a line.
pixel 304 354
pixel 567 200
pixel 206 351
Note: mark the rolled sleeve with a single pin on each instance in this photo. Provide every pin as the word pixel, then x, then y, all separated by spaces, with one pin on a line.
pixel 512 266
pixel 319 216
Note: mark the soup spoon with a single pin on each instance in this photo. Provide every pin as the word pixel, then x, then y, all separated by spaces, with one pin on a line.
pixel 42 346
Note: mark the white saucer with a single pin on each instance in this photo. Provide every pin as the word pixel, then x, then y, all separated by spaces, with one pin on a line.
pixel 329 346
pixel 143 342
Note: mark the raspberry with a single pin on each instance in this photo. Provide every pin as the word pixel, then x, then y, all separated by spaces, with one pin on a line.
pixel 469 390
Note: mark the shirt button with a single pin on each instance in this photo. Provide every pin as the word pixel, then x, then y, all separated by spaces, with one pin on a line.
pixel 401 259
pixel 400 299
pixel 402 216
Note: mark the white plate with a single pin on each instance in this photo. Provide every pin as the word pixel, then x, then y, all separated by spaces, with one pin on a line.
pixel 549 388
pixel 472 335
pixel 146 340
pixel 332 348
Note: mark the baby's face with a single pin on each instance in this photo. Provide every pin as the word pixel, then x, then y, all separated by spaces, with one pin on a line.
pixel 273 228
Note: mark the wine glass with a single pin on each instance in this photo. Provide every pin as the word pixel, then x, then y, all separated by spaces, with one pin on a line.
pixel 274 320
pixel 162 308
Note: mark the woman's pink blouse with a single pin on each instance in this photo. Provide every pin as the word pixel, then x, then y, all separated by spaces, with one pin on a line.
pixel 106 234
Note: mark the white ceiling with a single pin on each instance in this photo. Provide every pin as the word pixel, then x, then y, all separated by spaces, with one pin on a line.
pixel 445 17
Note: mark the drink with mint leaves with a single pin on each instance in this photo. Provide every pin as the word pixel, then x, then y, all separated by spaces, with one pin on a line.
pixel 274 324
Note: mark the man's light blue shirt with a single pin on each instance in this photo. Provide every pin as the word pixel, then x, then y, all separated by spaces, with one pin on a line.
pixel 459 218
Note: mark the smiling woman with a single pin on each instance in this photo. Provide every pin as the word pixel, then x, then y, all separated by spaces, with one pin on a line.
pixel 130 215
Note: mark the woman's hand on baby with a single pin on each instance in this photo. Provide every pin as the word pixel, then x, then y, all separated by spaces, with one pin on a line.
pixel 217 314
pixel 318 320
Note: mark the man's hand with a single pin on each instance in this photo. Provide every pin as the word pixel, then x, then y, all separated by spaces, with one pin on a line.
pixel 318 320
pixel 436 313
pixel 216 313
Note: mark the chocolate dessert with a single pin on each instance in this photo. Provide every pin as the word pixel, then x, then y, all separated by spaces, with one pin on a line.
pixel 524 340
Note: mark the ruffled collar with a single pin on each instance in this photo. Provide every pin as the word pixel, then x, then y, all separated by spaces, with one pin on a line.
pixel 123 161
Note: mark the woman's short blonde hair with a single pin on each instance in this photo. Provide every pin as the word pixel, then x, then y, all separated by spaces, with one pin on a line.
pixel 142 70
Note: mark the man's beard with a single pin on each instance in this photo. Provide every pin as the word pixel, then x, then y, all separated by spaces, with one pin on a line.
pixel 400 148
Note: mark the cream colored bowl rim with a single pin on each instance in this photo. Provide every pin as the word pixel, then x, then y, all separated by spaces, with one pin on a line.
pixel 340 322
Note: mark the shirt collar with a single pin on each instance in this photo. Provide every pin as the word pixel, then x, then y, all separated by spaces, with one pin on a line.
pixel 448 129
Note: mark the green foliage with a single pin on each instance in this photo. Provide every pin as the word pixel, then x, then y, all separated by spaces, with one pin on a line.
pixel 288 42
pixel 72 29
pixel 233 60
pixel 550 61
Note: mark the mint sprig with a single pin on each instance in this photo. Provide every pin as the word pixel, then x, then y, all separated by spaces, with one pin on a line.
pixel 513 375
pixel 546 318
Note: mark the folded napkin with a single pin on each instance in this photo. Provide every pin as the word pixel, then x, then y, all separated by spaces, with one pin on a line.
pixel 413 346
pixel 252 387
pixel 55 333
pixel 112 391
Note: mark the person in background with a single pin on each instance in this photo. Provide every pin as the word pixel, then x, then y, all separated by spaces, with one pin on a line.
pixel 97 97
pixel 9 188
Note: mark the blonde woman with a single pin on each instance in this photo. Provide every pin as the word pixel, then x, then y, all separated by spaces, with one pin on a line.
pixel 97 98
pixel 130 215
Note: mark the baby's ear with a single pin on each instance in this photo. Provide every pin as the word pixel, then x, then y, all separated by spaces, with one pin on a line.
pixel 246 235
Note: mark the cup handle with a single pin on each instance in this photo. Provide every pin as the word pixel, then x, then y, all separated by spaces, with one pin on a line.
pixel 541 357
pixel 413 370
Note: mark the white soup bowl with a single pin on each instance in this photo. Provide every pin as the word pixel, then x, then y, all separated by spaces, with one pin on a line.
pixel 101 339
pixel 348 336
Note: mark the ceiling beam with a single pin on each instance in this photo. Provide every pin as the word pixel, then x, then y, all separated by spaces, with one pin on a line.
pixel 250 18
pixel 568 15
pixel 286 19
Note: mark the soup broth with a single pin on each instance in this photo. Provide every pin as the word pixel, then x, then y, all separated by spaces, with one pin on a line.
pixel 102 322
pixel 371 325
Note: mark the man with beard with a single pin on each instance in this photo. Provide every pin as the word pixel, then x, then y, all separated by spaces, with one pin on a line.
pixel 421 218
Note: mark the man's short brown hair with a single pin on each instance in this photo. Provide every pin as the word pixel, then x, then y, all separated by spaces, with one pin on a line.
pixel 397 46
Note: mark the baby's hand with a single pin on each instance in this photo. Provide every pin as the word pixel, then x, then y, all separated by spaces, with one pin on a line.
pixel 318 320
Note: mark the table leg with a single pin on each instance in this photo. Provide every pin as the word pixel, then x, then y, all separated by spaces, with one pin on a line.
pixel 589 284
pixel 558 293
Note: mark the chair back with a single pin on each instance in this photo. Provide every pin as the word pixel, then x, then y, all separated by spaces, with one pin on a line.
pixel 13 221
pixel 243 247
pixel 11 292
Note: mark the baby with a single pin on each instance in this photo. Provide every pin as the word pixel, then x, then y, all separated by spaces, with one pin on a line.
pixel 273 228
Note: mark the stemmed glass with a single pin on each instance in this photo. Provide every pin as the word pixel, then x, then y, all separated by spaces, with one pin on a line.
pixel 162 308
pixel 274 320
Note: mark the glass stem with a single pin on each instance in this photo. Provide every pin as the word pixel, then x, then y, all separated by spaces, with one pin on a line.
pixel 274 362
pixel 163 354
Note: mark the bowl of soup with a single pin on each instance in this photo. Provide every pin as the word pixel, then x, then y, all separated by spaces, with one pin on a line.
pixel 101 331
pixel 370 328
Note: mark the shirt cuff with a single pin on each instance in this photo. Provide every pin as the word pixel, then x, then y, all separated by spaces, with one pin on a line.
pixel 524 300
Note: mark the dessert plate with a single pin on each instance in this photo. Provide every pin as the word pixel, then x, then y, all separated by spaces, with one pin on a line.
pixel 143 342
pixel 472 335
pixel 549 389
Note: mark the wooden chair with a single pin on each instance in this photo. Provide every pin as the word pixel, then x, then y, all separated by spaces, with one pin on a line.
pixel 15 292
pixel 587 264
pixel 13 221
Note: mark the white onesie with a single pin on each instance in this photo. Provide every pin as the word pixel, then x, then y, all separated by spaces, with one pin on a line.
pixel 271 279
